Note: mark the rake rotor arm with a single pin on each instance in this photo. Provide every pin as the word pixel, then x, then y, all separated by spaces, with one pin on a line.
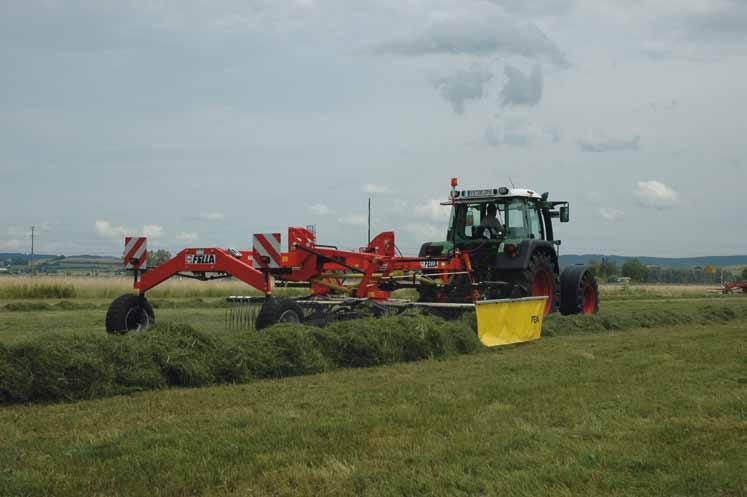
pixel 210 260
pixel 376 270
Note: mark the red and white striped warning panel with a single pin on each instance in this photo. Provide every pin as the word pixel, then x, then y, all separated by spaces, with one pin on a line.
pixel 136 252
pixel 266 248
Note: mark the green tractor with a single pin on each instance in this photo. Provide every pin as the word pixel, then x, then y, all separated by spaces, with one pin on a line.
pixel 508 234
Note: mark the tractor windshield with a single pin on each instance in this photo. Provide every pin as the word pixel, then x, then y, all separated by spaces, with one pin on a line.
pixel 467 220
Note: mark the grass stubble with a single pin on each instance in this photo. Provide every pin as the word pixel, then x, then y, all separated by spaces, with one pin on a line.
pixel 643 399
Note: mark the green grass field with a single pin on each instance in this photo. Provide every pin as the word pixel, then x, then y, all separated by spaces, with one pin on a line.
pixel 660 410
pixel 646 412
pixel 208 314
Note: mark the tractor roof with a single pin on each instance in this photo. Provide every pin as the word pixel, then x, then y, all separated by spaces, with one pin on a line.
pixel 469 196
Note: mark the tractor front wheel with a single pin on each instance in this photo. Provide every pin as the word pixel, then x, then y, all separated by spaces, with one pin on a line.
pixel 129 312
pixel 579 291
pixel 278 310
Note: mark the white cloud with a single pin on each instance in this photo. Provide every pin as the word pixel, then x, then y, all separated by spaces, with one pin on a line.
pixel 599 142
pixel 521 89
pixel 463 85
pixel 520 133
pixel 426 232
pixel 380 189
pixel 611 214
pixel 213 216
pixel 433 209
pixel 477 29
pixel 188 237
pixel 152 231
pixel 11 245
pixel 400 205
pixel 321 210
pixel 22 231
pixel 656 195
pixel 354 220
pixel 105 229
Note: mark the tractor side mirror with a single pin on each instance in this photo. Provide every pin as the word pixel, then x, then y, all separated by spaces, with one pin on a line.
pixel 470 219
pixel 565 214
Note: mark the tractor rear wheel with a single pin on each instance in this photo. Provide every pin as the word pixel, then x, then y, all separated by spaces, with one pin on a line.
pixel 579 291
pixel 278 310
pixel 539 279
pixel 129 312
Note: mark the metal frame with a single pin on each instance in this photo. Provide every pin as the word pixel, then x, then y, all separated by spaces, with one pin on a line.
pixel 372 273
pixel 730 287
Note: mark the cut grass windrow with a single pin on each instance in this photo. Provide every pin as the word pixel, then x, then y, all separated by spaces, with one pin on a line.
pixel 76 366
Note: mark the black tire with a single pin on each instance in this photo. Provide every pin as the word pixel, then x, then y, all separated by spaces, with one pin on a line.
pixel 278 310
pixel 129 312
pixel 526 282
pixel 579 291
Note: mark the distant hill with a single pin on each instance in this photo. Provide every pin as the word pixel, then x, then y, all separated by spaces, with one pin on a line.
pixel 715 260
pixel 46 263
pixel 18 255
pixel 9 255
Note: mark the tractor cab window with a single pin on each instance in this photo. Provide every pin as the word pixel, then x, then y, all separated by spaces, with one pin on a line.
pixel 535 224
pixel 474 217
pixel 517 224
pixel 466 219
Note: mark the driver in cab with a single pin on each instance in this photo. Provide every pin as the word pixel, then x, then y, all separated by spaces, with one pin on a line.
pixel 490 223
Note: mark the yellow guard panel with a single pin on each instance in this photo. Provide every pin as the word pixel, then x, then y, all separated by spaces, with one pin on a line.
pixel 501 322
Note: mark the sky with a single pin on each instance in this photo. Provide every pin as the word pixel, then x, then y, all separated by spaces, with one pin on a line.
pixel 199 123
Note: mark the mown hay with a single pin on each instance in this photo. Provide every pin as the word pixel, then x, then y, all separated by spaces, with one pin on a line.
pixel 557 325
pixel 71 367
pixel 58 368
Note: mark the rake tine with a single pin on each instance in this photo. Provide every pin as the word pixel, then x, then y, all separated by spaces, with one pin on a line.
pixel 241 316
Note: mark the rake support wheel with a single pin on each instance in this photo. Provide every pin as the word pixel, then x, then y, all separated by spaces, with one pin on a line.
pixel 279 310
pixel 129 312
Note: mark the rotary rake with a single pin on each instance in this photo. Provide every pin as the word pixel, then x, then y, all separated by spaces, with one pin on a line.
pixel 511 284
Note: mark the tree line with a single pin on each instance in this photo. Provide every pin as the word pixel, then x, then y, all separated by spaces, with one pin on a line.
pixel 607 270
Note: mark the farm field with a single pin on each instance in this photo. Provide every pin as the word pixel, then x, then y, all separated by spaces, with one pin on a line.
pixel 44 287
pixel 107 288
pixel 653 406
pixel 20 319
pixel 644 412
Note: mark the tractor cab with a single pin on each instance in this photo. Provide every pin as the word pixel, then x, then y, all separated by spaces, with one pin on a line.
pixel 502 215
pixel 498 218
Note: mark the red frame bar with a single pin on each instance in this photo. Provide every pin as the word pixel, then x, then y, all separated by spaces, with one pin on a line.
pixel 305 262
pixel 224 262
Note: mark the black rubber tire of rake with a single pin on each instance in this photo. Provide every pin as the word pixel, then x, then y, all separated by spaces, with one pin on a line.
pixel 274 308
pixel 120 310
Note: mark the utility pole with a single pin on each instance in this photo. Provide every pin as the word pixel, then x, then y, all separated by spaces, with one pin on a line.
pixel 31 259
pixel 369 220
